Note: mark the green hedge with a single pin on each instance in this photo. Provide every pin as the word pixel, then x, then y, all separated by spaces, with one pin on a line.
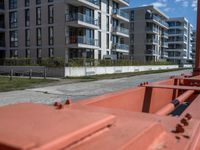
pixel 60 62
pixel 48 62
pixel 92 62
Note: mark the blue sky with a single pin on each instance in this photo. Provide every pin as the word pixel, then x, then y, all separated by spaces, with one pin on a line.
pixel 173 8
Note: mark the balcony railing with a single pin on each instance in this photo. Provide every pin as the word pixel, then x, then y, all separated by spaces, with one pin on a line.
pixel 151 40
pixel 150 29
pixel 158 19
pixel 165 44
pixel 121 13
pixel 83 40
pixel 165 34
pixel 82 17
pixel 96 2
pixel 120 46
pixel 150 52
pixel 121 30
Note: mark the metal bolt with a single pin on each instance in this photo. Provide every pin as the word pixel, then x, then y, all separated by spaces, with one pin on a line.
pixel 188 116
pixel 68 102
pixel 56 104
pixel 179 129
pixel 60 106
pixel 184 122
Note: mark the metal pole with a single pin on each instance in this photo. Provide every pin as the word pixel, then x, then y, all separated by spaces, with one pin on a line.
pixel 196 70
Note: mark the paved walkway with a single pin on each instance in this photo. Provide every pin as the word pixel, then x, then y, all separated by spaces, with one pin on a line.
pixel 81 90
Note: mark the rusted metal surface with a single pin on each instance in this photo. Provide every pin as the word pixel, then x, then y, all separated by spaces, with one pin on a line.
pixel 135 118
pixel 197 60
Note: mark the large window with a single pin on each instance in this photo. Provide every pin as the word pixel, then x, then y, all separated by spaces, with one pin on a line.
pixel 27 17
pixel 27 37
pixel 13 19
pixel 51 52
pixel 51 35
pixel 39 53
pixel 38 2
pixel 38 16
pixel 26 3
pixel 50 14
pixel 28 53
pixel 13 38
pixel 12 4
pixel 39 36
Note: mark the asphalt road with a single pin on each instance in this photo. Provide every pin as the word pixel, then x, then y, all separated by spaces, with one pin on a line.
pixel 81 90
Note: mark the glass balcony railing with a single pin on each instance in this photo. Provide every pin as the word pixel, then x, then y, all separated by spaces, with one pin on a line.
pixel 165 34
pixel 83 40
pixel 83 18
pixel 121 13
pixel 158 19
pixel 120 46
pixel 151 40
pixel 150 52
pixel 96 2
pixel 121 30
pixel 151 29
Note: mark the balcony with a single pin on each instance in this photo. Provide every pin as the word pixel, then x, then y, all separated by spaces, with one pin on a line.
pixel 158 20
pixel 118 14
pixel 151 41
pixel 92 4
pixel 82 20
pixel 120 31
pixel 151 52
pixel 165 35
pixel 164 54
pixel 83 42
pixel 122 3
pixel 165 44
pixel 152 30
pixel 120 47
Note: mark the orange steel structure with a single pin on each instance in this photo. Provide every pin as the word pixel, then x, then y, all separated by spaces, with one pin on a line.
pixel 164 115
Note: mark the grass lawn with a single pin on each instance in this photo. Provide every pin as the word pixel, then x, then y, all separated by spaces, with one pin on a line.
pixel 123 75
pixel 20 83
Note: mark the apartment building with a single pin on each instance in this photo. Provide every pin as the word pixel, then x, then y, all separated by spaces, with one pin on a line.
pixel 148 34
pixel 63 28
pixel 180 46
pixel 193 45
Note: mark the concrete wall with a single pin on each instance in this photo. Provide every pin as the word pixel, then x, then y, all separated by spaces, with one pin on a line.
pixel 88 71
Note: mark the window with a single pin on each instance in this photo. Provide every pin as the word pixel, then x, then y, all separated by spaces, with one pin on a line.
pixel 107 23
pixel 51 52
pixel 27 17
pixel 38 2
pixel 99 36
pixel 132 15
pixel 39 36
pixel 26 3
pixel 51 35
pixel 27 37
pixel 107 43
pixel 50 14
pixel 28 53
pixel 38 16
pixel 99 54
pixel 13 38
pixel 13 53
pixel 12 4
pixel 50 0
pixel 99 20
pixel 39 53
pixel 108 6
pixel 13 19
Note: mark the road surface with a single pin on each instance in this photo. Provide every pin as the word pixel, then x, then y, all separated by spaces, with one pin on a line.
pixel 81 90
